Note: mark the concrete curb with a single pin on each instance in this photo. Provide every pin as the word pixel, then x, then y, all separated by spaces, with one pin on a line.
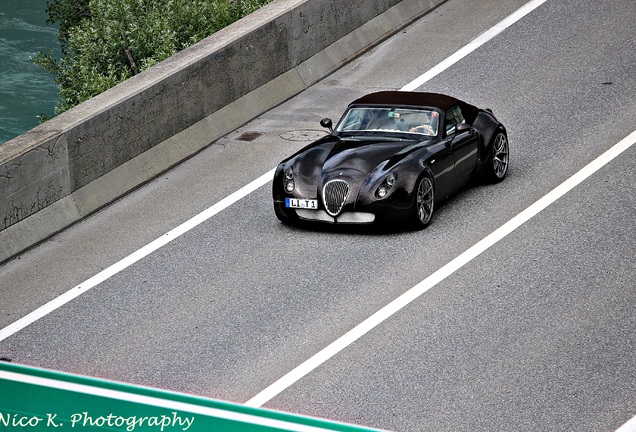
pixel 73 165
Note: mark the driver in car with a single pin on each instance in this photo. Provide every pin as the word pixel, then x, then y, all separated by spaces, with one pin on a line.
pixel 426 127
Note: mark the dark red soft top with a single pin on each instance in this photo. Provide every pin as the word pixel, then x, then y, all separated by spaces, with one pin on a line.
pixel 419 99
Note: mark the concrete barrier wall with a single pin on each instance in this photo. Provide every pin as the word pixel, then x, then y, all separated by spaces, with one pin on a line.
pixel 85 158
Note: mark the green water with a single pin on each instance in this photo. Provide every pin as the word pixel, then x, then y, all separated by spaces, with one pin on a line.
pixel 26 90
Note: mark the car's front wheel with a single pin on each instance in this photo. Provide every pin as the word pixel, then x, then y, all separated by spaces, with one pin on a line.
pixel 497 167
pixel 423 202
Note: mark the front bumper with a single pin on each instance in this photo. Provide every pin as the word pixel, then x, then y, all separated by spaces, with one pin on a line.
pixel 342 218
pixel 375 214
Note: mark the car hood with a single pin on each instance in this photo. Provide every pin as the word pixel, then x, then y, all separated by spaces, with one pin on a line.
pixel 351 155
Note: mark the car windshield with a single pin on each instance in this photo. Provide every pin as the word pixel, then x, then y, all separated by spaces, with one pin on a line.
pixel 410 120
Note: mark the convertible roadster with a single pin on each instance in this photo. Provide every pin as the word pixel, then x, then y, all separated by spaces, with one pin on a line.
pixel 392 157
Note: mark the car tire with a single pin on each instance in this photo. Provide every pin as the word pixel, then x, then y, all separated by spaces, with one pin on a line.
pixel 498 159
pixel 423 202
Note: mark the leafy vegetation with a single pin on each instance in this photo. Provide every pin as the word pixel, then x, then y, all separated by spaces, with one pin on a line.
pixel 104 42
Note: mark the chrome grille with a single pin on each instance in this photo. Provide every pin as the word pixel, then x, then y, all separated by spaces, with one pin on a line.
pixel 334 194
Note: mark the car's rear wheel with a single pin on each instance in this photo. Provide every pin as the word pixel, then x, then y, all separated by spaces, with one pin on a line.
pixel 497 166
pixel 423 202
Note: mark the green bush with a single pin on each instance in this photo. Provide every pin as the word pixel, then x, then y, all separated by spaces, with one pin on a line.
pixel 104 42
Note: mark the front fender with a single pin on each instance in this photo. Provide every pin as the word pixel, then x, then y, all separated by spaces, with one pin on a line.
pixel 408 171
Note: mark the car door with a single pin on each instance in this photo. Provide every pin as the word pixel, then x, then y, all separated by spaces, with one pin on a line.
pixel 463 142
pixel 439 159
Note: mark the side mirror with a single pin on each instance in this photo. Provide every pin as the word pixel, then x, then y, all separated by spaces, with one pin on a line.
pixel 327 123
pixel 456 130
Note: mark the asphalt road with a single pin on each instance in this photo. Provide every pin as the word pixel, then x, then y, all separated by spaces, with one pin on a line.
pixel 538 332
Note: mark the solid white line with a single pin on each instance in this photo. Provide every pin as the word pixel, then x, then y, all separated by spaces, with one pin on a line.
pixel 441 274
pixel 134 257
pixel 473 45
pixel 630 426
pixel 160 402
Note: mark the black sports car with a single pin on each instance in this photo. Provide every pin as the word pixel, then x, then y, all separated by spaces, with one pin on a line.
pixel 392 157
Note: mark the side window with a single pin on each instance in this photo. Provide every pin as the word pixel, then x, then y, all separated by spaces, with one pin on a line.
pixel 453 116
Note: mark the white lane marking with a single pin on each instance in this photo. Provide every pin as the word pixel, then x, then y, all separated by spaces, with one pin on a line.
pixel 630 426
pixel 134 257
pixel 390 309
pixel 473 45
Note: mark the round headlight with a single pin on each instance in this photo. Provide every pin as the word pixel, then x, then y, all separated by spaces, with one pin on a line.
pixel 289 174
pixel 382 191
pixel 288 180
pixel 390 180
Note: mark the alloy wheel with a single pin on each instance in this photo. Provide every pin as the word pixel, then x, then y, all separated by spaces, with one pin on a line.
pixel 500 156
pixel 425 200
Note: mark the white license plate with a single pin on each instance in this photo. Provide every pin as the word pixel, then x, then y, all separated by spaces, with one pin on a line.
pixel 301 203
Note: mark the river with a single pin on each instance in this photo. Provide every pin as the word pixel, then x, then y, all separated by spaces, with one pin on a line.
pixel 26 90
